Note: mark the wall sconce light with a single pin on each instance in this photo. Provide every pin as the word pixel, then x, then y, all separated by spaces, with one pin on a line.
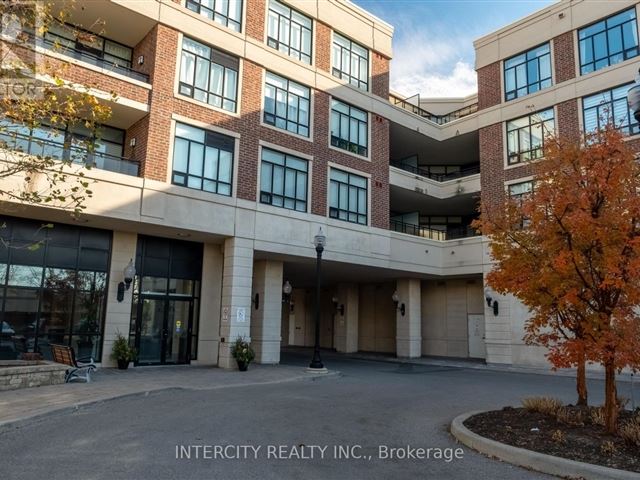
pixel 256 301
pixel 286 292
pixel 338 308
pixel 132 142
pixel 140 59
pixel 491 302
pixel 396 301
pixel 129 273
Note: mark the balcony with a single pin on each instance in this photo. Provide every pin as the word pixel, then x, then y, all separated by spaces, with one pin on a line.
pixel 462 171
pixel 43 147
pixel 451 233
pixel 432 117
pixel 77 53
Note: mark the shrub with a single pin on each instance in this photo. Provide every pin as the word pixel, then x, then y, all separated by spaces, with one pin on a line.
pixel 544 405
pixel 571 416
pixel 121 350
pixel 559 436
pixel 597 416
pixel 608 448
pixel 630 431
pixel 241 350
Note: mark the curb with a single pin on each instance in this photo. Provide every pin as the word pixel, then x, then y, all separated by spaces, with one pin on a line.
pixel 18 422
pixel 540 462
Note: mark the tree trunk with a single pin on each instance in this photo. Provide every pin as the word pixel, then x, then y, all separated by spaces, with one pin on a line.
pixel 610 397
pixel 581 381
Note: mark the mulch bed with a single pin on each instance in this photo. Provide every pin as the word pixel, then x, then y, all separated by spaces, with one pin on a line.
pixel 513 426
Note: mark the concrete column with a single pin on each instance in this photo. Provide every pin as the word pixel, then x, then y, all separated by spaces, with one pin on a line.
pixel 346 325
pixel 118 314
pixel 266 321
pixel 210 301
pixel 409 325
pixel 236 296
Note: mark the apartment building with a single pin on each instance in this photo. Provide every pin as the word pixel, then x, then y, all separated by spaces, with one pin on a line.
pixel 243 127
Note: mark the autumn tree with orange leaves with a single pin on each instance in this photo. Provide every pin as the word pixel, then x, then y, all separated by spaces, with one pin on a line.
pixel 570 251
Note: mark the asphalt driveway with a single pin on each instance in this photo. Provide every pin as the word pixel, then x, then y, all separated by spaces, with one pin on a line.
pixel 293 430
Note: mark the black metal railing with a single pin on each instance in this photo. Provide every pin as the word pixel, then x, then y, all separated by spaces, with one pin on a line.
pixel 451 233
pixel 61 151
pixel 438 119
pixel 90 58
pixel 464 171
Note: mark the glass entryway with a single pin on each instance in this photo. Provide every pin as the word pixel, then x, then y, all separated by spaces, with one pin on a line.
pixel 164 316
pixel 164 330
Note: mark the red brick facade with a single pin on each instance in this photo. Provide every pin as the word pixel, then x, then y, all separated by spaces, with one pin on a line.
pixel 567 121
pixel 156 142
pixel 489 91
pixel 564 61
pixel 380 75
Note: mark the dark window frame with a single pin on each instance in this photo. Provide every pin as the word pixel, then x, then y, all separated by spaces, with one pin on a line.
pixel 338 71
pixel 535 152
pixel 271 118
pixel 335 211
pixel 627 53
pixel 267 197
pixel 212 139
pixel 346 144
pixel 513 94
pixel 197 7
pixel 285 47
pixel 217 57
pixel 632 127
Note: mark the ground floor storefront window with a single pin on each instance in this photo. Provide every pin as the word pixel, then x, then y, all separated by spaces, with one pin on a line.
pixel 53 287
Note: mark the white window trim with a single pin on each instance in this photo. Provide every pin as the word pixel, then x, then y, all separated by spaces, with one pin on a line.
pixel 314 25
pixel 243 19
pixel 505 146
pixel 369 66
pixel 369 139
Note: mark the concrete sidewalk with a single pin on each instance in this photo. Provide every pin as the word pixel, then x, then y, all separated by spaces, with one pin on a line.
pixel 107 383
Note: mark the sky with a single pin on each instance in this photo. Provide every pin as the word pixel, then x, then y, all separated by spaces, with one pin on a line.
pixel 433 51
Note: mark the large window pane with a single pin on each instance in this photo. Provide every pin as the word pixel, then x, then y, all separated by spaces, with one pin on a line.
pixel 283 180
pixel 224 12
pixel 608 41
pixel 525 136
pixel 348 196
pixel 208 75
pixel 609 106
pixel 350 62
pixel 286 104
pixel 527 72
pixel 349 127
pixel 289 31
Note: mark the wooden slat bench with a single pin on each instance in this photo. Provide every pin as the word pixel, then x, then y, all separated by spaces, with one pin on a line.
pixel 80 370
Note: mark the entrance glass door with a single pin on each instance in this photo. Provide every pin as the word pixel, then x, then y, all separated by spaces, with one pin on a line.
pixel 164 330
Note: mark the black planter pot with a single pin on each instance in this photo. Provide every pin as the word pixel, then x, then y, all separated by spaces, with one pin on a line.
pixel 242 366
pixel 123 364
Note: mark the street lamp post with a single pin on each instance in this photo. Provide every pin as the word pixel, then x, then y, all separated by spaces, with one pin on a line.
pixel 633 98
pixel 319 241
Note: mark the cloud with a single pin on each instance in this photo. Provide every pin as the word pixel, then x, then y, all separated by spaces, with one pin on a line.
pixel 429 66
pixel 459 82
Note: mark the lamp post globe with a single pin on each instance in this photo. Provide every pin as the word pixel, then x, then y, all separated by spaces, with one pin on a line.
pixel 633 98
pixel 319 241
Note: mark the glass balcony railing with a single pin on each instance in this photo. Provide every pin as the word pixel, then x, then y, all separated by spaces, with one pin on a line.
pixel 463 171
pixel 451 233
pixel 88 57
pixel 432 117
pixel 62 151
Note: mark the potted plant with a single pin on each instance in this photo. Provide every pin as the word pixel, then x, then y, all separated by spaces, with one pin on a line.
pixel 243 353
pixel 122 352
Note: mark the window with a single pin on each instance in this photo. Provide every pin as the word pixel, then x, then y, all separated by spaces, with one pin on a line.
pixel 349 130
pixel 101 148
pixel 350 62
pixel 81 41
pixel 209 75
pixel 525 136
pixel 224 12
pixel 283 180
pixel 608 42
pixel 286 104
pixel 289 31
pixel 528 72
pixel 609 106
pixel 55 293
pixel 348 197
pixel 520 190
pixel 202 159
